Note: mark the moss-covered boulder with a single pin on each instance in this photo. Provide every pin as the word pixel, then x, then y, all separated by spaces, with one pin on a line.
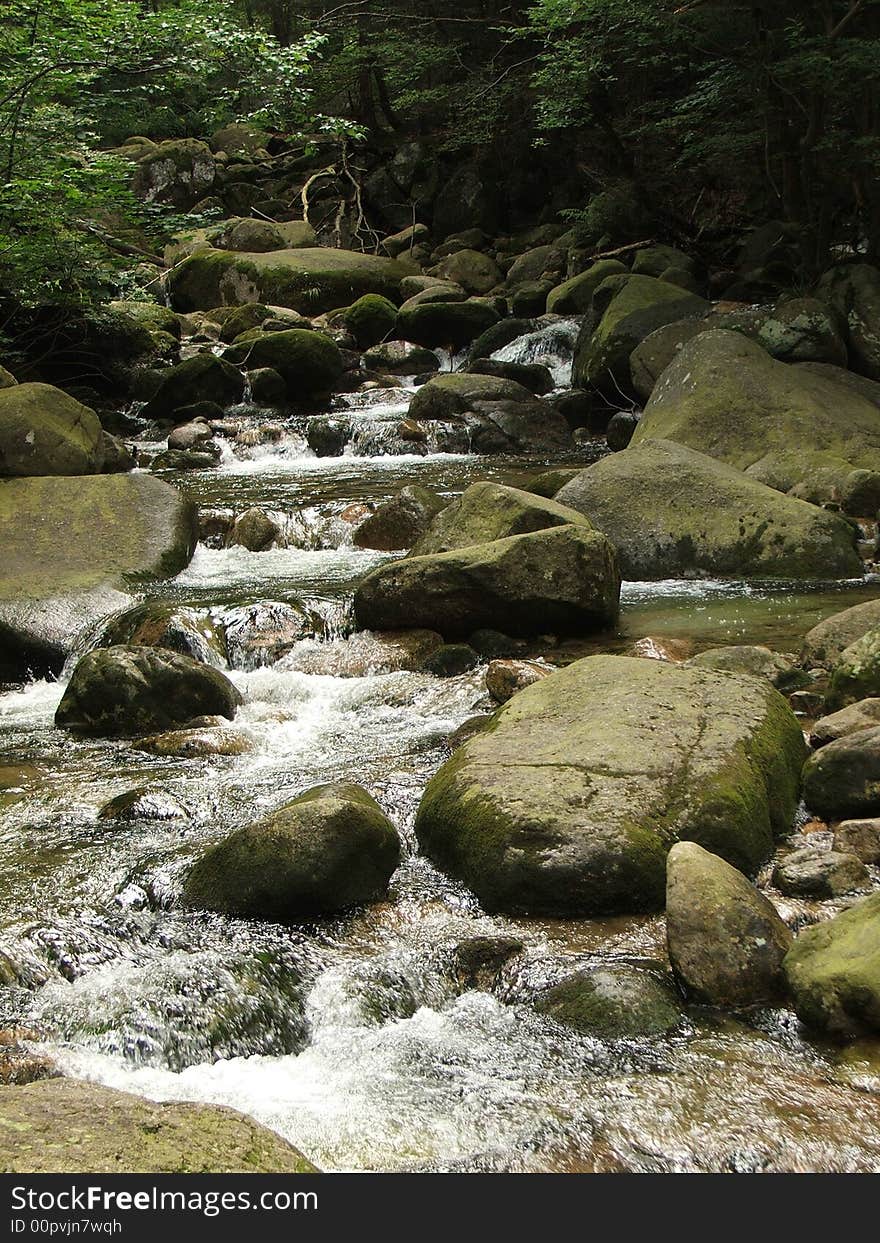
pixel 726 940
pixel 327 850
pixel 178 172
pixel 446 325
pixel 401 358
pixel 750 658
pixel 492 511
pixel 784 426
pixel 475 272
pixel 853 290
pixel 311 280
pixel 842 780
pixel 43 431
pixel 573 296
pixel 670 510
pixel 640 305
pixel 401 521
pixel 127 690
pixel 241 319
pixel 62 1126
pixel 856 674
pixel 156 623
pixel 154 317
pixel 613 1002
pixel 833 971
pixel 204 377
pixel 654 260
pixel 251 237
pixel 563 580
pixel 454 393
pixel 568 803
pixel 652 356
pixel 309 362
pixel 71 549
pixel 370 320
pixel 826 642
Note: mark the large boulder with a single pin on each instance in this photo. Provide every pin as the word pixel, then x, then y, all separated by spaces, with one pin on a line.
pixel 62 1126
pixel 43 431
pixel 856 674
pixel 327 850
pixel 862 715
pixel 128 691
pixel 842 779
pixel 726 940
pixel 492 511
pixel 447 324
pixel 853 290
pixel 204 377
pixel 71 549
pixel 309 362
pixel 370 320
pixel 573 297
pixel 563 580
pixel 400 521
pixel 475 272
pixel 569 802
pixel 833 970
pixel 452 393
pixel 784 426
pixel 311 280
pixel 640 305
pixel 826 642
pixel 670 510
pixel 178 172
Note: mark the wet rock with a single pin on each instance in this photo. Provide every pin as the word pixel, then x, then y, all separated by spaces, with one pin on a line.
pixel 400 522
pixel 454 393
pixel 155 624
pixel 564 579
pixel 143 804
pixel 759 661
pixel 450 660
pixel 401 358
pixel 204 377
pixel 860 838
pixel 268 387
pixel 842 780
pixel 365 654
pixel 262 633
pixel 495 645
pixel 327 850
pixel 826 642
pixel 621 429
pixel 509 426
pixel 189 436
pixel 568 804
pixel 18 1063
pixel 814 872
pixel 205 457
pixel 726 941
pixel 532 376
pixel 616 1002
pixel 833 971
pixel 197 739
pixel 327 435
pixel 43 431
pixel 258 530
pixel 856 674
pixel 786 427
pixel 309 362
pixel 215 525
pixel 478 961
pixel 105 1131
pixel 504 678
pixel 126 691
pixel 70 548
pixel 862 715
pixel 492 511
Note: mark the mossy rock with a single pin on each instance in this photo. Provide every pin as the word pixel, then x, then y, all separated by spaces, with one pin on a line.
pixel 670 510
pixel 155 623
pixel 243 319
pixel 447 325
pixel 327 850
pixel 370 320
pixel 615 1002
pixel 826 642
pixel 476 273
pixel 311 280
pixel 492 511
pixel 784 426
pixel 856 675
pixel 43 431
pixel 453 393
pixel 842 779
pixel 564 580
pixel 204 377
pixel 833 971
pixel 655 260
pixel 71 549
pixel 639 305
pixel 748 658
pixel 401 358
pixel 178 172
pixel 154 317
pixel 62 1126
pixel 128 690
pixel 401 521
pixel 309 362
pixel 567 804
pixel 573 297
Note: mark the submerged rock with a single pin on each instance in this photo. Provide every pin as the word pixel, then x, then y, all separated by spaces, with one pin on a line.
pixel 833 970
pixel 726 940
pixel 143 804
pixel 329 849
pixel 616 1002
pixel 568 803
pixel 104 1131
pixel 126 691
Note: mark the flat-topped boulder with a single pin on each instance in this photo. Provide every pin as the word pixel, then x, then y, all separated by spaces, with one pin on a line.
pixel 72 549
pixel 63 1126
pixel 568 802
pixel 490 511
pixel 309 279
pixel 786 427
pixel 670 510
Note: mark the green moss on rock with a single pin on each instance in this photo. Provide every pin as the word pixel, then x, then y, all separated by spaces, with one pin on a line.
pixel 833 970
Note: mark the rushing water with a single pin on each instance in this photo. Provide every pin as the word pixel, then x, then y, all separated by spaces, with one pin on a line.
pixel 357 1038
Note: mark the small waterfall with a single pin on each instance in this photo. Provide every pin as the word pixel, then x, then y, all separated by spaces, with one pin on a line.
pixel 552 346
